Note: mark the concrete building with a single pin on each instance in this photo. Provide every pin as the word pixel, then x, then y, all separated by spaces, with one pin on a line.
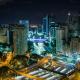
pixel 14 35
pixel 75 45
pixel 20 35
pixel 59 40
pixel 19 41
pixel 5 34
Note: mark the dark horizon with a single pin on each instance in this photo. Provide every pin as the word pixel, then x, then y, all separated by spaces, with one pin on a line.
pixel 33 10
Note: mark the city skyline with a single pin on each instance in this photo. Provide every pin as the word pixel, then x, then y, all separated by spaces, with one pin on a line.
pixel 39 39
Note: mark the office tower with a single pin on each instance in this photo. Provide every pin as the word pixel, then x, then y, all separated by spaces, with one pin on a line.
pixel 75 25
pixel 68 27
pixel 40 28
pixel 59 39
pixel 49 30
pixel 3 34
pixel 52 38
pixel 65 38
pixel 14 35
pixel 73 22
pixel 19 40
pixel 74 33
pixel 56 37
pixel 48 22
pixel 75 45
pixel 25 24
pixel 52 33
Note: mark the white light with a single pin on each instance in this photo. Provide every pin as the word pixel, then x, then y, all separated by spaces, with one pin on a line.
pixel 39 48
pixel 58 68
pixel 19 77
pixel 50 78
pixel 69 14
pixel 63 70
pixel 50 55
pixel 35 72
pixel 34 26
pixel 44 76
pixel 70 71
pixel 52 22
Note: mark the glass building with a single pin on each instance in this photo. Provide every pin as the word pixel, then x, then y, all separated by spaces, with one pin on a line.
pixel 48 22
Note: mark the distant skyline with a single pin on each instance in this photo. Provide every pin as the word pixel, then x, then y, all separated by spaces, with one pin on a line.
pixel 13 10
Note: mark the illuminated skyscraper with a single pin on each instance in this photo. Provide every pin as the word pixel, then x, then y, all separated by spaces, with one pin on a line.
pixel 54 33
pixel 48 22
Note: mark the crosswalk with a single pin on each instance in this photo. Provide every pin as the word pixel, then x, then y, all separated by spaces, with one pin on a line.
pixel 54 74
pixel 64 70
pixel 47 75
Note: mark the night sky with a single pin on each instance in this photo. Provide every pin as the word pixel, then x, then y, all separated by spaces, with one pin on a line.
pixel 13 10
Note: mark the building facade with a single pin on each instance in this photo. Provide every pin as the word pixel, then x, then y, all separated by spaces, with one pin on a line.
pixel 48 22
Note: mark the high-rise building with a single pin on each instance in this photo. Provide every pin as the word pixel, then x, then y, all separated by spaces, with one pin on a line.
pixel 57 34
pixel 48 22
pixel 3 34
pixel 59 39
pixel 52 38
pixel 56 37
pixel 15 36
pixel 75 45
pixel 54 33
pixel 40 29
pixel 20 39
pixel 75 25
